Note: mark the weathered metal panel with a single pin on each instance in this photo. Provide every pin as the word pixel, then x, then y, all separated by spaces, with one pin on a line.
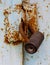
pixel 9 54
pixel 42 56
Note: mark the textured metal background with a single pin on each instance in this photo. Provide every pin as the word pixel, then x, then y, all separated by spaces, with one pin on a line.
pixel 42 56
pixel 9 54
pixel 12 55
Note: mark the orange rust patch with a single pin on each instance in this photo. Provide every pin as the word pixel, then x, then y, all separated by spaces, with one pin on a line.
pixel 6 39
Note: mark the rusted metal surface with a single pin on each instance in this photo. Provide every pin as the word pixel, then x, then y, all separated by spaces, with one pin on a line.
pixel 13 55
pixel 9 54
pixel 42 56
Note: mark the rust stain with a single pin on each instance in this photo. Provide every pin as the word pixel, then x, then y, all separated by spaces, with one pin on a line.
pixel 2 29
pixel 15 34
pixel 40 16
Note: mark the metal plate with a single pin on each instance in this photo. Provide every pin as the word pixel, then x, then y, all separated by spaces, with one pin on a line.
pixel 42 56
pixel 12 55
pixel 9 54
